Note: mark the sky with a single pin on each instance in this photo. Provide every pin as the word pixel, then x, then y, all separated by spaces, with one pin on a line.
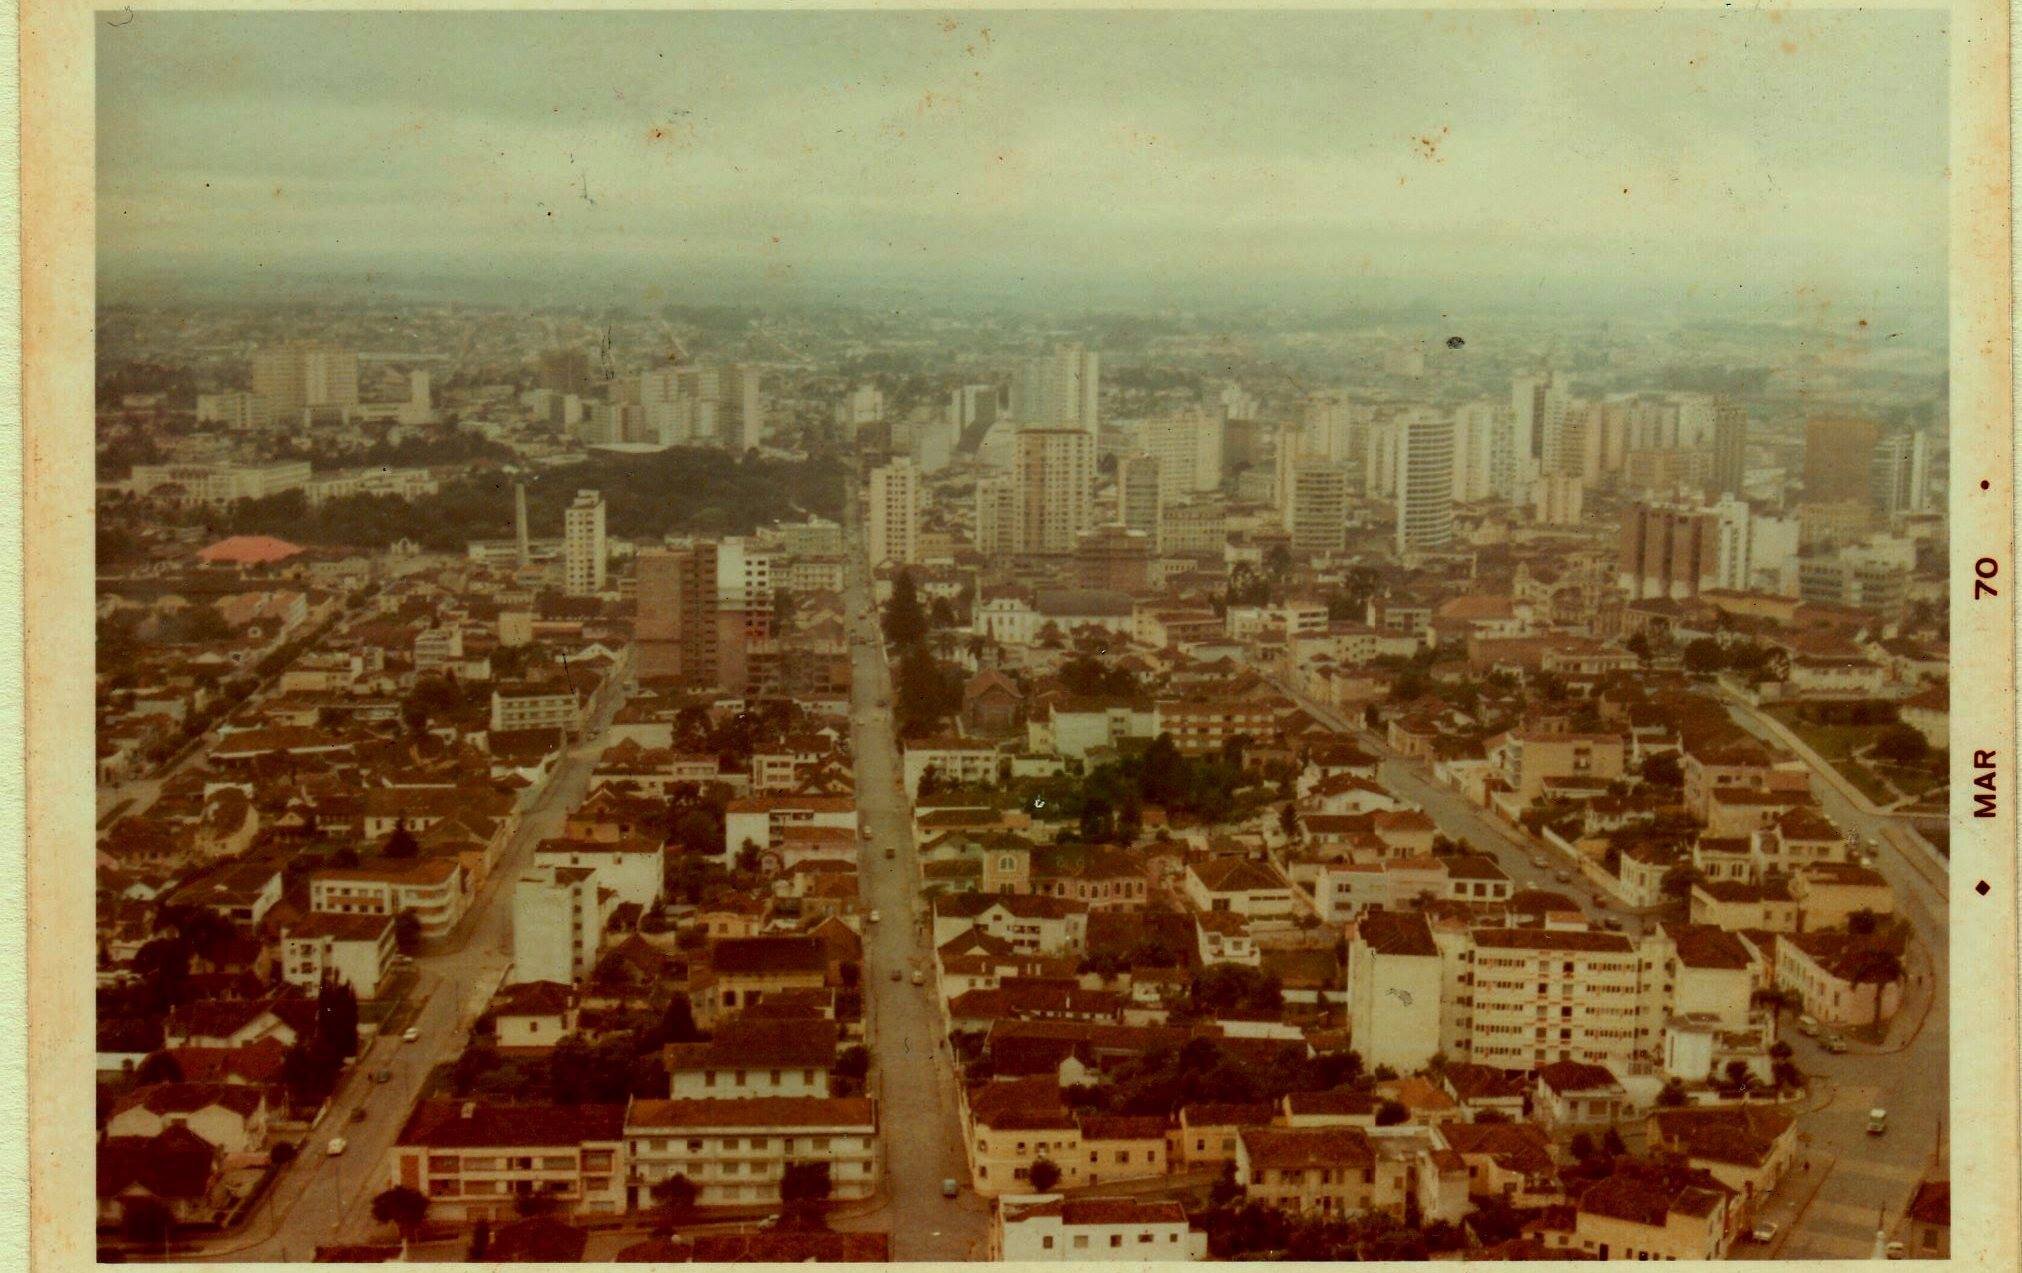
pixel 1699 155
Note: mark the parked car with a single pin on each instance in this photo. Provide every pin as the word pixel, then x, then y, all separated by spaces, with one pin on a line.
pixel 1807 1025
pixel 358 1114
pixel 897 975
pixel 890 854
pixel 1896 1251
pixel 382 1075
pixel 410 1034
pixel 919 978
pixel 949 1188
pixel 1563 876
pixel 1833 1041
pixel 874 916
pixel 337 1146
pixel 1765 1232
pixel 1878 1121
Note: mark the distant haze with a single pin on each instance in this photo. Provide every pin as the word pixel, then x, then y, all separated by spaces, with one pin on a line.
pixel 1693 159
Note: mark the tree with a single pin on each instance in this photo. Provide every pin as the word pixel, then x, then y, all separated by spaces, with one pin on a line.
pixel 1662 770
pixel 1703 657
pixel 905 622
pixel 1672 1095
pixel 1638 645
pixel 1902 745
pixel 1226 989
pixel 407 932
pixel 1581 1146
pixel 1392 1113
pixel 282 1153
pixel 677 1194
pixel 677 1023
pixel 1678 880
pixel 400 842
pixel 337 1016
pixel 1225 1190
pixel 853 1062
pixel 1612 1144
pixel 803 1188
pixel 402 1207
pixel 1288 820
pixel 1739 1075
pixel 749 857
pixel 1876 968
pixel 480 1241
pixel 158 1067
pixel 146 1221
pixel 1045 1174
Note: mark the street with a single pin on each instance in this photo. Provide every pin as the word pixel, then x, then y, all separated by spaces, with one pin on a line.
pixel 920 1121
pixel 321 1199
pixel 1872 1176
pixel 1855 1181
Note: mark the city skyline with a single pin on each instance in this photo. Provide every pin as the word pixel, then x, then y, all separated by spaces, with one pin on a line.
pixel 1781 161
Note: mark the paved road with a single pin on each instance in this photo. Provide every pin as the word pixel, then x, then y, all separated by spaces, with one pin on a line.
pixel 1461 820
pixel 1873 1175
pixel 915 1078
pixel 321 1199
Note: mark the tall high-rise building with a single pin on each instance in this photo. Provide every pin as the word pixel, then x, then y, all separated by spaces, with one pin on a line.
pixel 1481 437
pixel 1561 431
pixel 1140 494
pixel 996 516
pixel 1667 550
pixel 522 547
pixel 304 374
pixel 1424 481
pixel 1062 389
pixel 583 548
pixel 1899 476
pixel 1558 500
pixel 1055 475
pixel 675 629
pixel 1334 427
pixel 740 411
pixel 1838 455
pixel 1730 448
pixel 1527 406
pixel 1188 448
pixel 895 513
pixel 1317 514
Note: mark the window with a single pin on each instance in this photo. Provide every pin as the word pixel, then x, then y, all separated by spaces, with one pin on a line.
pixel 1116 1239
pixel 775 1078
pixel 1144 1237
pixel 709 1078
pixel 1046 1243
pixel 1081 1241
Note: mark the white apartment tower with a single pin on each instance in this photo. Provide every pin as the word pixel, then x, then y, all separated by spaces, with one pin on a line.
pixel 1054 475
pixel 1424 481
pixel 1318 512
pixel 996 516
pixel 305 374
pixel 1189 451
pixel 1140 494
pixel 895 513
pixel 1062 389
pixel 584 550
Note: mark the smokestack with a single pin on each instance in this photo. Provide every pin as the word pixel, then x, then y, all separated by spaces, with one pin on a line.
pixel 520 520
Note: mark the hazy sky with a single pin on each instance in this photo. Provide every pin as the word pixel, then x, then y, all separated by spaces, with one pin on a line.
pixel 1718 152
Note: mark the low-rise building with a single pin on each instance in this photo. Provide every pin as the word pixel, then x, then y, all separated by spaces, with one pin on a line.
pixel 480 1160
pixel 431 888
pixel 1050 1227
pixel 357 950
pixel 735 1151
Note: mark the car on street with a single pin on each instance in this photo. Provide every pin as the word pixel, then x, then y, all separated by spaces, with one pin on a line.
pixel 897 975
pixel 1563 876
pixel 358 1114
pixel 1878 1121
pixel 1833 1041
pixel 890 854
pixel 382 1075
pixel 1896 1251
pixel 410 1034
pixel 949 1188
pixel 1807 1025
pixel 1764 1232
pixel 874 917
pixel 337 1146
pixel 919 978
